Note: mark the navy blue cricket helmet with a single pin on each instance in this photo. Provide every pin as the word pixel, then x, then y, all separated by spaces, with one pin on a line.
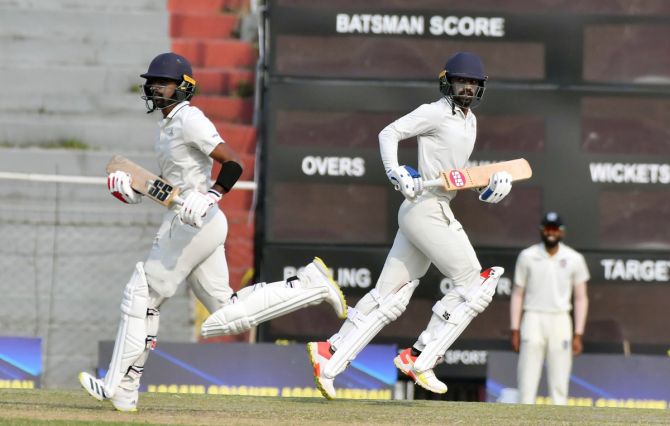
pixel 467 65
pixel 172 67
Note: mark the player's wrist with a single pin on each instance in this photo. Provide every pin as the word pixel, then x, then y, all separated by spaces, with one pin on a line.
pixel 214 194
pixel 391 165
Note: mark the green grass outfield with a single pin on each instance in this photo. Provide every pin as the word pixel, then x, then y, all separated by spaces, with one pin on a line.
pixel 28 407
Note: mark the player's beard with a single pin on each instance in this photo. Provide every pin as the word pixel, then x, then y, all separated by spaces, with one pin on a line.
pixel 464 99
pixel 162 103
pixel 550 241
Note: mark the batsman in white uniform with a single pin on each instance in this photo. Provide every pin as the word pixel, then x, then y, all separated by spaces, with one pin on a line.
pixel 189 245
pixel 428 233
pixel 545 278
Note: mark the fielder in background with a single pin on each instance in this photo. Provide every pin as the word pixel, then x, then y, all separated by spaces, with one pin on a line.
pixel 546 276
pixel 189 245
pixel 428 233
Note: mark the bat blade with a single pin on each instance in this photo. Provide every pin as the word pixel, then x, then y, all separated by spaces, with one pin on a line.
pixel 478 176
pixel 145 182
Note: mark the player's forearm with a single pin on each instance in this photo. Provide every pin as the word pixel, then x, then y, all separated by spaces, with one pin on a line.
pixel 231 168
pixel 581 307
pixel 224 152
pixel 388 147
pixel 515 307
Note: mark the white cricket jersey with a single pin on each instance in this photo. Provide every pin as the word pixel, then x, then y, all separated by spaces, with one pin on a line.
pixel 445 140
pixel 548 280
pixel 186 139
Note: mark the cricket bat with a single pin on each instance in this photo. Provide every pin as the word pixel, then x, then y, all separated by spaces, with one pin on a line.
pixel 476 177
pixel 145 182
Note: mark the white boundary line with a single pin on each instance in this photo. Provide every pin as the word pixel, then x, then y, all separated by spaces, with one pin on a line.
pixel 89 180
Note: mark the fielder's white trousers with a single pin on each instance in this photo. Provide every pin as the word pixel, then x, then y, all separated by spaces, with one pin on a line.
pixel 545 335
pixel 182 252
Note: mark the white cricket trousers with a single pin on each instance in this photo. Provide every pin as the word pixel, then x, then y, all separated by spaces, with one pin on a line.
pixel 182 252
pixel 429 233
pixel 545 335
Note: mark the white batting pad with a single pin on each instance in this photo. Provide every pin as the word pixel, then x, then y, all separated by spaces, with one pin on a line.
pixel 365 324
pixel 261 302
pixel 453 323
pixel 132 333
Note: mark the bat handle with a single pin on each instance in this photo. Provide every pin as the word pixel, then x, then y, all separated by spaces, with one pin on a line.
pixel 178 200
pixel 435 183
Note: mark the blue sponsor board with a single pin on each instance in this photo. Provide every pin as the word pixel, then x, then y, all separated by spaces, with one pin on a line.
pixel 257 369
pixel 20 362
pixel 596 380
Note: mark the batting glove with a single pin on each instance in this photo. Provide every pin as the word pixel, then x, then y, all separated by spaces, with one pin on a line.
pixel 500 184
pixel 196 205
pixel 406 180
pixel 118 184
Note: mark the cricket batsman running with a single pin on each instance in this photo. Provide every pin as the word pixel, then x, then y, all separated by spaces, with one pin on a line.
pixel 189 245
pixel 428 233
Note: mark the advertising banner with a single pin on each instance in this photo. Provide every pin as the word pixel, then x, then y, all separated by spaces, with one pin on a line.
pixel 20 362
pixel 261 369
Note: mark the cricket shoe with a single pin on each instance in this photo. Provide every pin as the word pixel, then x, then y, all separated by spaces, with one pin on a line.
pixel 426 379
pixel 123 399
pixel 319 355
pixel 317 274
pixel 93 386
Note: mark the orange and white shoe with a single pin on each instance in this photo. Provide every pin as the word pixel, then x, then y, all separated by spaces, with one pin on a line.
pixel 319 354
pixel 426 379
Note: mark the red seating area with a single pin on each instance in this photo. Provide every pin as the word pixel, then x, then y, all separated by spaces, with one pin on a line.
pixel 203 25
pixel 225 108
pixel 206 6
pixel 212 81
pixel 206 52
pixel 241 136
pixel 206 32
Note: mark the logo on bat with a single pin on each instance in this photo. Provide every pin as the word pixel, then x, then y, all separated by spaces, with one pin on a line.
pixel 457 178
pixel 159 189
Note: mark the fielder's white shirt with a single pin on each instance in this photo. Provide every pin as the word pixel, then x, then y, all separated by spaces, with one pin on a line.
pixel 548 280
pixel 445 140
pixel 186 139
